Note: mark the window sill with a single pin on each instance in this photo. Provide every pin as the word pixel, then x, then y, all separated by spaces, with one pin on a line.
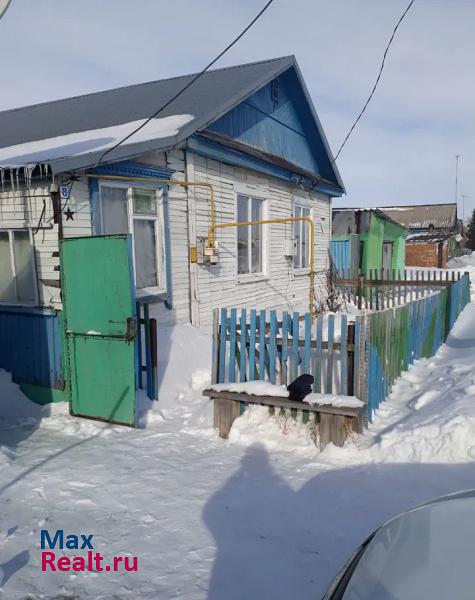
pixel 252 278
pixel 151 294
pixel 301 272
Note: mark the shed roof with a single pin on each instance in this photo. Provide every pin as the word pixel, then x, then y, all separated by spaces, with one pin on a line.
pixel 429 237
pixel 423 216
pixel 211 96
pixel 377 211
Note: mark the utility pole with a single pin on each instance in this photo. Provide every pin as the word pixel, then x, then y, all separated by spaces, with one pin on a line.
pixel 463 206
pixel 457 156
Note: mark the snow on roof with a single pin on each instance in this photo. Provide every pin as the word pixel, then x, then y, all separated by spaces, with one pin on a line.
pixel 211 96
pixel 428 236
pixel 95 140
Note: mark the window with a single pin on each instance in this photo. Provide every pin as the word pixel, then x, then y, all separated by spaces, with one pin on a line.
pixel 301 234
pixel 249 238
pixel 137 211
pixel 17 271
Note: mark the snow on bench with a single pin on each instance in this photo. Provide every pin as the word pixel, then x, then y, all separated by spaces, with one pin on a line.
pixel 334 417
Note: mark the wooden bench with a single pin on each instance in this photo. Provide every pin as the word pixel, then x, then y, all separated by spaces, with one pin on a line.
pixel 331 423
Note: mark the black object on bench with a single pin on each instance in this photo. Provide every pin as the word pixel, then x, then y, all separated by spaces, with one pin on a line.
pixel 300 387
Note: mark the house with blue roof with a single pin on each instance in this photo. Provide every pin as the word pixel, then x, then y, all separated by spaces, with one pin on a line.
pixel 243 144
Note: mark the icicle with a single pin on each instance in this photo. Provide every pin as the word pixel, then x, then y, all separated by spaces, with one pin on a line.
pixel 17 177
pixel 12 180
pixel 41 170
pixel 2 178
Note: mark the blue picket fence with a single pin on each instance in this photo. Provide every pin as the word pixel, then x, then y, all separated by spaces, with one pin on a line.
pixel 362 358
pixel 250 345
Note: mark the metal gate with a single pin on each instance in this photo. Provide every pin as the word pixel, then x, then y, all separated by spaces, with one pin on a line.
pixel 100 327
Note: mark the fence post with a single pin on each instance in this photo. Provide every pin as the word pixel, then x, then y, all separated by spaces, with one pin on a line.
pixel 148 351
pixel 154 357
pixel 360 390
pixel 359 290
pixel 215 351
pixel 139 343
pixel 448 311
pixel 351 360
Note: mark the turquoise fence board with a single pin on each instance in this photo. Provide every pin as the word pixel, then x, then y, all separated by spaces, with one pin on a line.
pixel 344 355
pixel 222 347
pixel 272 346
pixel 306 353
pixel 252 345
pixel 331 335
pixel 318 356
pixel 262 344
pixel 284 351
pixel 232 346
pixel 243 347
pixel 295 345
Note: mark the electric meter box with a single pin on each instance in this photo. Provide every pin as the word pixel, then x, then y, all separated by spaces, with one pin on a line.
pixel 290 247
pixel 206 256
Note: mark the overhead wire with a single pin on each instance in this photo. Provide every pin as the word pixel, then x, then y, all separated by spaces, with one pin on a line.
pixel 381 68
pixel 188 85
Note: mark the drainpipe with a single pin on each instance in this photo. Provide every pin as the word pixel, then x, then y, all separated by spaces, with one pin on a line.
pixel 57 214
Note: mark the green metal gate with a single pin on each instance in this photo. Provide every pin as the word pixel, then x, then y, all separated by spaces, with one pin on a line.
pixel 99 324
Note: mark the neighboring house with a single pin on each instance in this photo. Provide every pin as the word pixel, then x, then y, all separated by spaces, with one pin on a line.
pixel 366 239
pixel 249 132
pixel 435 233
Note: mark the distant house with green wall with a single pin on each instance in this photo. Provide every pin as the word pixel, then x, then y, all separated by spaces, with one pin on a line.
pixel 364 239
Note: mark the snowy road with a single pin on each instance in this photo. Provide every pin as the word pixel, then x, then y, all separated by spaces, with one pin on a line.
pixel 228 520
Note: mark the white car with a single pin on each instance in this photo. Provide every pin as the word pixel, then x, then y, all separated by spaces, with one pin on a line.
pixel 427 553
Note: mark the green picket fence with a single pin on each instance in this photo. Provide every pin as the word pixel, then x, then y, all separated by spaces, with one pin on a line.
pixel 396 337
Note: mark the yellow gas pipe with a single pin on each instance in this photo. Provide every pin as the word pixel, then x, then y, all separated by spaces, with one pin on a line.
pixel 311 295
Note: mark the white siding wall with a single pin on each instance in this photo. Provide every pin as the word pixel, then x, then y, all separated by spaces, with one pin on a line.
pixel 23 209
pixel 79 203
pixel 178 224
pixel 189 213
pixel 218 285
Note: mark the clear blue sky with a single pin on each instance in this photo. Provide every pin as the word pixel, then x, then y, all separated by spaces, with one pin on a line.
pixel 403 152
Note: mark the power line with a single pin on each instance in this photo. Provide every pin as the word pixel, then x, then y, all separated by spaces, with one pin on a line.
pixel 189 84
pixel 365 106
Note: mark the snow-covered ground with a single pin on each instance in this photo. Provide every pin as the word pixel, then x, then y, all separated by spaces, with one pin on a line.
pixel 262 515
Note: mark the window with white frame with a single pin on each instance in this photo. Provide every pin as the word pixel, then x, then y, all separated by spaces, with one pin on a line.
pixel 17 267
pixel 301 235
pixel 250 247
pixel 139 212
